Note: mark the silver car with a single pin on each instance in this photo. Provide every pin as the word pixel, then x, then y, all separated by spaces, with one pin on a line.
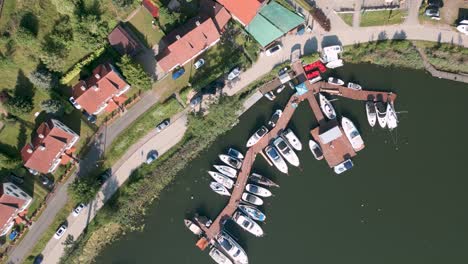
pixel 163 125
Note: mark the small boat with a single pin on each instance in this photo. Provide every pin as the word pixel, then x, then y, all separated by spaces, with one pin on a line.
pixel 221 178
pixel 354 86
pixel 392 119
pixel 232 248
pixel 335 81
pixel 334 64
pixel 257 178
pixel 219 257
pixel 381 110
pixel 257 136
pixel 292 139
pixel 327 107
pixel 344 166
pixel 371 113
pixel 235 154
pixel 275 117
pixel 253 212
pixel 247 224
pixel 257 190
pixel 219 188
pixel 233 162
pixel 253 199
pixel 280 89
pixel 226 170
pixel 352 133
pixel 316 150
pixel 277 160
pixel 270 96
pixel 193 227
pixel 286 151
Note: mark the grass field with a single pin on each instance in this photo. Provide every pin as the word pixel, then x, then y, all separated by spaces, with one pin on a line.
pixel 384 17
pixel 141 25
pixel 347 18
pixel 445 57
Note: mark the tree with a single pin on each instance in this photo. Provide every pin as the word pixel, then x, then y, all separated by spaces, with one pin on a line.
pixel 123 3
pixel 134 73
pixel 52 106
pixel 91 31
pixel 57 43
pixel 43 79
pixel 168 20
pixel 83 190
pixel 19 105
pixel 8 162
pixel 69 241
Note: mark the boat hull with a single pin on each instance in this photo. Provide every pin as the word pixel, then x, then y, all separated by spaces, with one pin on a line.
pixel 252 199
pixel 226 170
pixel 259 179
pixel 219 188
pixel 219 257
pixel 292 139
pixel 352 134
pixel 257 190
pixel 371 113
pixel 288 154
pixel 252 212
pixel 275 157
pixel 316 150
pixel 230 161
pixel 381 114
pixel 224 180
pixel 248 224
pixel 255 137
pixel 327 107
pixel 392 119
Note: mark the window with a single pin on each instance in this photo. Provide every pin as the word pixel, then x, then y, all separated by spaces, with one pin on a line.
pixel 15 194
pixel 23 194
pixel 8 188
pixel 14 187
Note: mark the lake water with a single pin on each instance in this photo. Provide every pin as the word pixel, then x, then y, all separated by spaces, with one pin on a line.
pixel 405 201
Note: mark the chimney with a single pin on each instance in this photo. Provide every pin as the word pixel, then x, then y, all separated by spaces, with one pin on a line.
pixel 177 37
pixel 83 87
pixel 40 135
pixel 96 88
pixel 197 23
pixel 97 76
pixel 30 151
pixel 42 147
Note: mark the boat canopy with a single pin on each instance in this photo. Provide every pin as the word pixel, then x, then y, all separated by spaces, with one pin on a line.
pixel 330 135
pixel 285 77
pixel 301 88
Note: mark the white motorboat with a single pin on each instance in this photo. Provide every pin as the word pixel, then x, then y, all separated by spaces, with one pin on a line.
pixel 233 162
pixel 193 227
pixel 257 190
pixel 392 118
pixel 221 178
pixel 381 114
pixel 335 81
pixel 276 158
pixel 270 96
pixel 327 107
pixel 352 133
pixel 253 199
pixel 247 224
pixel 286 151
pixel 354 86
pixel 253 212
pixel 316 150
pixel 219 257
pixel 257 136
pixel 280 89
pixel 226 170
pixel 232 248
pixel 334 64
pixel 257 178
pixel 344 166
pixel 275 117
pixel 235 153
pixel 371 113
pixel 292 139
pixel 219 189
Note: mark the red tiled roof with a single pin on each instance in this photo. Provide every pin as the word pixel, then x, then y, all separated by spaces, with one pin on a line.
pixel 153 9
pixel 5 213
pixel 222 18
pixel 189 45
pixel 98 90
pixel 123 42
pixel 53 142
pixel 243 10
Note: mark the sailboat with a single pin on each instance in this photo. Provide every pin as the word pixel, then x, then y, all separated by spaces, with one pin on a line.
pixel 260 179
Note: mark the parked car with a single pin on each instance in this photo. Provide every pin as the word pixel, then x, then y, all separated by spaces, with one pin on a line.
pixel 18 180
pixel 234 74
pixel 273 50
pixel 432 12
pixel 104 176
pixel 38 259
pixel 152 156
pixel 177 73
pixel 435 3
pixel 195 101
pixel 59 233
pixel 163 125
pixel 74 103
pixel 45 181
pixel 89 117
pixel 78 209
pixel 199 63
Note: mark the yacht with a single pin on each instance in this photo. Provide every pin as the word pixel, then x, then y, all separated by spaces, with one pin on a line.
pixel 381 114
pixel 247 224
pixel 335 81
pixel 235 154
pixel 232 248
pixel 253 199
pixel 344 166
pixel 257 136
pixel 327 107
pixel 392 119
pixel 286 151
pixel 253 212
pixel 219 257
pixel 371 113
pixel 257 178
pixel 219 189
pixel 221 178
pixel 354 86
pixel 277 160
pixel 233 162
pixel 292 139
pixel 257 190
pixel 316 150
pixel 274 119
pixel 352 133
pixel 194 228
pixel 226 170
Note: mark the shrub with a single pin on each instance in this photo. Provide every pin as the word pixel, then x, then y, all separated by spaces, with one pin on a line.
pixel 19 105
pixel 123 3
pixel 83 189
pixel 52 106
pixel 42 79
pixel 321 18
pixel 134 73
pixel 70 75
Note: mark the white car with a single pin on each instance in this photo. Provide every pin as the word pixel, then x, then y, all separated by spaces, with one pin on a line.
pixel 78 209
pixel 60 232
pixel 199 63
pixel 273 50
pixel 234 74
pixel 74 103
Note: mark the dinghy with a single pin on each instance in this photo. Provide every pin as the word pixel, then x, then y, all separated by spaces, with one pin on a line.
pixel 316 150
pixel 233 162
pixel 219 189
pixel 221 178
pixel 253 199
pixel 352 133
pixel 232 248
pixel 257 190
pixel 257 178
pixel 235 154
pixel 275 117
pixel 286 151
pixel 257 136
pixel 292 139
pixel 193 227
pixel 253 212
pixel 277 160
pixel 335 81
pixel 354 86
pixel 270 96
pixel 371 113
pixel 327 107
pixel 226 170
pixel 381 114
pixel 247 224
pixel 219 257
pixel 344 166
pixel 392 119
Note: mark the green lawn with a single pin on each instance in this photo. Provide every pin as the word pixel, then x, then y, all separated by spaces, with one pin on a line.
pixel 347 18
pixel 8 9
pixel 445 57
pixel 384 17
pixel 141 25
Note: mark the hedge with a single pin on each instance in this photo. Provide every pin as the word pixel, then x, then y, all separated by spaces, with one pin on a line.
pixel 70 75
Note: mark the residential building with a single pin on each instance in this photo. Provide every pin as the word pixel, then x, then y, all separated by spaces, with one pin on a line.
pixel 243 11
pixel 51 146
pixel 13 201
pixel 104 90
pixel 123 42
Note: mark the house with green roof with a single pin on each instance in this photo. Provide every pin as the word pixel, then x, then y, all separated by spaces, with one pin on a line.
pixel 272 22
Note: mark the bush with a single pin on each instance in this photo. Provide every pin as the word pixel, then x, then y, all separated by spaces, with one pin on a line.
pixel 8 162
pixel 123 3
pixel 42 79
pixel 134 73
pixel 52 106
pixel 70 75
pixel 321 18
pixel 84 189
pixel 19 105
